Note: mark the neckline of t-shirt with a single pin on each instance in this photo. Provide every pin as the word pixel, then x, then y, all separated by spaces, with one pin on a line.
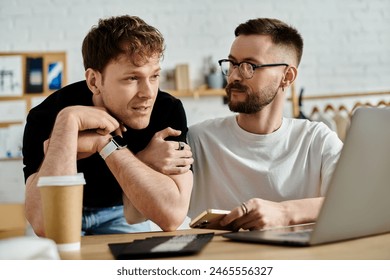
pixel 246 136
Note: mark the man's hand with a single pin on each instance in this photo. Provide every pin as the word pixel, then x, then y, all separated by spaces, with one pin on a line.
pixel 90 118
pixel 165 156
pixel 93 124
pixel 259 214
pixel 87 143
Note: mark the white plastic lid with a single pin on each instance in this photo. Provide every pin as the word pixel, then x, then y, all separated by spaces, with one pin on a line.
pixel 66 180
pixel 65 247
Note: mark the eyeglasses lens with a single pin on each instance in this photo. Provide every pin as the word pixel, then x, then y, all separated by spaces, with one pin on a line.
pixel 246 70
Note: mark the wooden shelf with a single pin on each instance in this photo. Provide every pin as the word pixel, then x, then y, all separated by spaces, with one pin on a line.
pixel 25 79
pixel 48 58
pixel 196 93
pixel 11 159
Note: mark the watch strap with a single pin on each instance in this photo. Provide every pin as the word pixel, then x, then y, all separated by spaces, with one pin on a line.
pixel 111 146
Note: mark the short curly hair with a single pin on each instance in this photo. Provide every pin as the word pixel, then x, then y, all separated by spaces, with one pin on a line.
pixel 119 35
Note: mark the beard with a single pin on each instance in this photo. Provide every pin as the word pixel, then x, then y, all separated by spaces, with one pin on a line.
pixel 255 101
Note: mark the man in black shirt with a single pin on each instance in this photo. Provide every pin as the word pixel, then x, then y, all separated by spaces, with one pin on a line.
pixel 86 127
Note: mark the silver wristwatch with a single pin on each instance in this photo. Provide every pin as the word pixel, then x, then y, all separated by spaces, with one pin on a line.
pixel 116 143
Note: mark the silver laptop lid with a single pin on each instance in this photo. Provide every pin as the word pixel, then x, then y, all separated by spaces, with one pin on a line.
pixel 358 199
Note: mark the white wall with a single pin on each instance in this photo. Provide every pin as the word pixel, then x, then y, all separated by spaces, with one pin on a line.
pixel 347 43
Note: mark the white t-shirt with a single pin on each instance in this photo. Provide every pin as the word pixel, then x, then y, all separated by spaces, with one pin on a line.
pixel 232 165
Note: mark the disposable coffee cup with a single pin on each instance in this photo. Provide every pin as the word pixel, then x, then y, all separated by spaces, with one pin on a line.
pixel 62 202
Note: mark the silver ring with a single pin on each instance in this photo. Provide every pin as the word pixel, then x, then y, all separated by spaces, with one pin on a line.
pixel 181 146
pixel 244 208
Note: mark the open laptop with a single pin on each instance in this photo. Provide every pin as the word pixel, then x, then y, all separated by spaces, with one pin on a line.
pixel 357 202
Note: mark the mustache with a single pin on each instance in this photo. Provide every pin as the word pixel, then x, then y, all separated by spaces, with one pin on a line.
pixel 235 86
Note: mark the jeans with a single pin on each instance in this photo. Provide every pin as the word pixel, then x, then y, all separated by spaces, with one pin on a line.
pixel 108 221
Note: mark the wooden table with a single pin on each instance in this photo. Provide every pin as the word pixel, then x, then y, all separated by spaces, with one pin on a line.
pixel 220 248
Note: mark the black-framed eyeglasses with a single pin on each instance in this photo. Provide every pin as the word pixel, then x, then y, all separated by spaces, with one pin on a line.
pixel 246 69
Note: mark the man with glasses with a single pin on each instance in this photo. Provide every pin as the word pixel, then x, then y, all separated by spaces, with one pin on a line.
pixel 267 169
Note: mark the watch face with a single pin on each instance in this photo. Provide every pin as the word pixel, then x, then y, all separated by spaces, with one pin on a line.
pixel 120 141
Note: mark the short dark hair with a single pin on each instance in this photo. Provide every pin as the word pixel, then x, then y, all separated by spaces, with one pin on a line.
pixel 280 33
pixel 125 34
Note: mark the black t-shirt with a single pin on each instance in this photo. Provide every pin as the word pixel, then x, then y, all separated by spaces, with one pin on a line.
pixel 101 189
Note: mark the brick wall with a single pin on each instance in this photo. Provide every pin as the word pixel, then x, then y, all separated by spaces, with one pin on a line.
pixel 347 43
